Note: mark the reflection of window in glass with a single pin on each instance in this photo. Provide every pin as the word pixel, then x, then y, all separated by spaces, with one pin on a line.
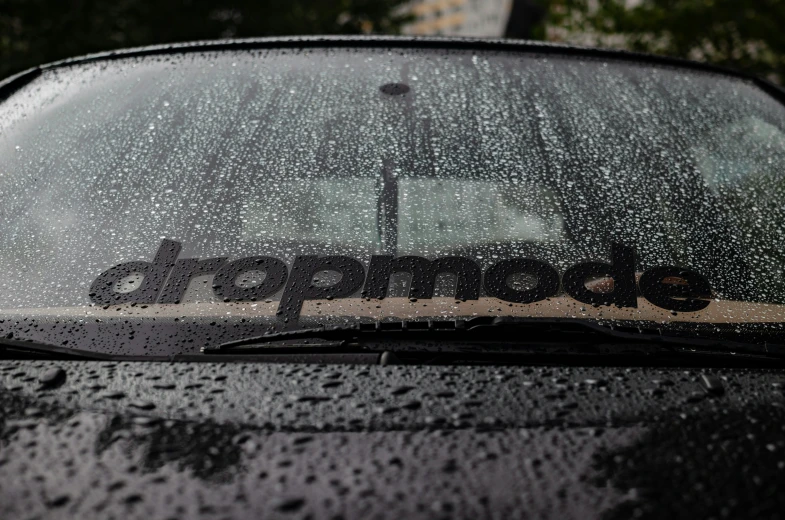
pixel 446 213
pixel 741 162
pixel 733 154
pixel 339 211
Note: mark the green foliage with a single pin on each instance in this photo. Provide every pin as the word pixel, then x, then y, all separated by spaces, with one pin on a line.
pixel 742 34
pixel 33 32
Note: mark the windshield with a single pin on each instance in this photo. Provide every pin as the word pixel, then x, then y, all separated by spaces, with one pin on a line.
pixel 156 205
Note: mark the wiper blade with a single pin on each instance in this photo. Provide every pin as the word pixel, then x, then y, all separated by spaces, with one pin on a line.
pixel 11 348
pixel 495 335
pixel 472 330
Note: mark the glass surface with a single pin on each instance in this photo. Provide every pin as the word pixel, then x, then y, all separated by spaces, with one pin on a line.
pixel 279 153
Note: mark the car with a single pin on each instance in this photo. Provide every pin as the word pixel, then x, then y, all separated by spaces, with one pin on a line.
pixel 385 277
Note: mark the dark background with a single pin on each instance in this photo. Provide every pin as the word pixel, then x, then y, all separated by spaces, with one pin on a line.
pixel 742 34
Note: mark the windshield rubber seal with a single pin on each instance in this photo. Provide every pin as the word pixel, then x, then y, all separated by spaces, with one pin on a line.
pixel 13 83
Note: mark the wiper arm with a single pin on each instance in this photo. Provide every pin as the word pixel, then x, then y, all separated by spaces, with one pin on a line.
pixel 496 335
pixel 16 348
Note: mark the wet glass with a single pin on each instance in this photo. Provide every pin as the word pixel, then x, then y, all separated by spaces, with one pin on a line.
pixel 358 152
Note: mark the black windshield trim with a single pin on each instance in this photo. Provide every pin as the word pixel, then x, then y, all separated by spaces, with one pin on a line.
pixel 10 85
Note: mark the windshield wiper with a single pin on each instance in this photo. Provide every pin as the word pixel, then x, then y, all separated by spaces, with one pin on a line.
pixel 26 349
pixel 484 340
pixel 484 336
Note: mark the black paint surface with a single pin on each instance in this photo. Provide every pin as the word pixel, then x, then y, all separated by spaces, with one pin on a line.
pixel 158 440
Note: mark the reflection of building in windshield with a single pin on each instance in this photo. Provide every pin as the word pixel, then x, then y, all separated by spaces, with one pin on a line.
pixel 740 163
pixel 461 212
pixel 734 153
pixel 455 213
pixel 339 211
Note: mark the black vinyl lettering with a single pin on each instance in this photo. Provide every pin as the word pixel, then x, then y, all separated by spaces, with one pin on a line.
pixel 165 279
pixel 496 280
pixel 621 269
pixel 423 273
pixel 299 287
pixel 225 286
pixel 102 291
pixel 687 284
pixel 184 270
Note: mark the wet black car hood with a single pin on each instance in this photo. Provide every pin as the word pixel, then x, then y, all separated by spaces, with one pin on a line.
pixel 180 440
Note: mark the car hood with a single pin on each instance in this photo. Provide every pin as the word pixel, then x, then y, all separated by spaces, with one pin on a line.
pixel 94 440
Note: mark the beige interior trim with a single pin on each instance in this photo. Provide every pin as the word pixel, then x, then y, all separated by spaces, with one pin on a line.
pixel 722 311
